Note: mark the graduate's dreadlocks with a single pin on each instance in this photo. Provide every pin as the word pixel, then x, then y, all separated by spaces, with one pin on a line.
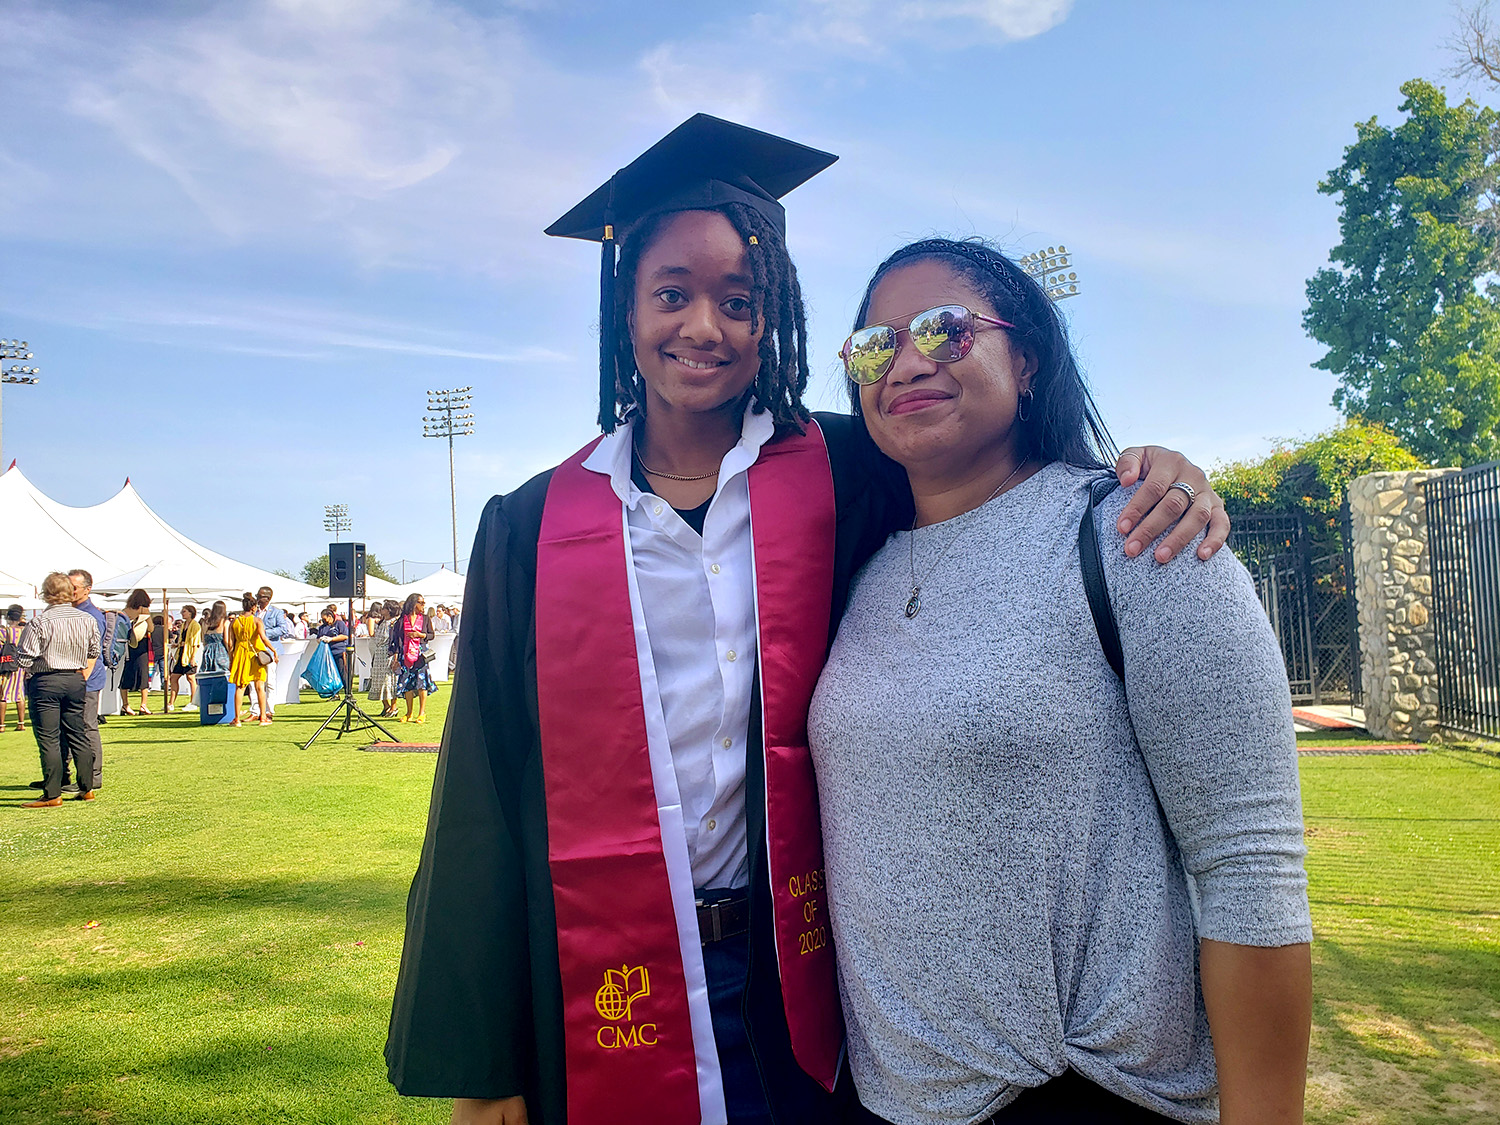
pixel 776 312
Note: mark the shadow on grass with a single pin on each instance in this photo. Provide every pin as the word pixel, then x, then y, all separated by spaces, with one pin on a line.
pixel 200 999
pixel 215 1068
pixel 1383 904
pixel 1476 756
pixel 141 896
pixel 1405 1032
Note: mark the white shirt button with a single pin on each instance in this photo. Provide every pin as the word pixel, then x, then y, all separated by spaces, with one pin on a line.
pixel 728 742
pixel 656 510
pixel 714 568
pixel 731 656
pixel 712 824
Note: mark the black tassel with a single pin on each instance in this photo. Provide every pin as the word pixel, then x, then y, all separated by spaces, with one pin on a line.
pixel 608 411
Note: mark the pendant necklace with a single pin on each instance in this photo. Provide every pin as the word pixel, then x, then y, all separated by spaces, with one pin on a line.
pixel 914 603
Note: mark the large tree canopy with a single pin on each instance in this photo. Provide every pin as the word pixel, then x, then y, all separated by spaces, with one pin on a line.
pixel 1411 324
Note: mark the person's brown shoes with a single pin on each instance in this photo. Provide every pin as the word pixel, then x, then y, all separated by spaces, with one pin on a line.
pixel 43 803
pixel 86 795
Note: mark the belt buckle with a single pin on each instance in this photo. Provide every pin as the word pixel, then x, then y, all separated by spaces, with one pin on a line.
pixel 716 920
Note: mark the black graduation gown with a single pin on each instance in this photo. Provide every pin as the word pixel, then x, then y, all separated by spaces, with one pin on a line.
pixel 478 1005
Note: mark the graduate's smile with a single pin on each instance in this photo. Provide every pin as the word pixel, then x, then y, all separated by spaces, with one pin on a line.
pixel 697 363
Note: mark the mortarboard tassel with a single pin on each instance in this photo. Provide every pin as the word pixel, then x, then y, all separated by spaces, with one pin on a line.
pixel 607 405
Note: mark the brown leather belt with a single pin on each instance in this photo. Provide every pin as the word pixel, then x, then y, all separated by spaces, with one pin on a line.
pixel 725 918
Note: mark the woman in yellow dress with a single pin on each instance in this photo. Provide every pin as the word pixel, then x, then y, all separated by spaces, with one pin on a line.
pixel 247 640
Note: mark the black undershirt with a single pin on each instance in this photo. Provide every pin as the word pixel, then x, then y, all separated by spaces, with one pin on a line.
pixel 693 517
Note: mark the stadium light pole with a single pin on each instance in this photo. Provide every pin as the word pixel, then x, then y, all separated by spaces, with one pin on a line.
pixel 1052 269
pixel 15 373
pixel 448 417
pixel 335 519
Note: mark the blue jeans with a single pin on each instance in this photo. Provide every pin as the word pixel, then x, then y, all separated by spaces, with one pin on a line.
pixel 727 965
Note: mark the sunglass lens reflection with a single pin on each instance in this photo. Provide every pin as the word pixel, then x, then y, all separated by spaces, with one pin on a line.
pixel 871 351
pixel 944 334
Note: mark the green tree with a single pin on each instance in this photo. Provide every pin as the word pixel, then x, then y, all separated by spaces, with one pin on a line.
pixel 315 570
pixel 1411 332
pixel 1311 476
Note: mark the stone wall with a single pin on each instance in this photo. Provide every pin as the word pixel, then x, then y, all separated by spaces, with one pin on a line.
pixel 1393 587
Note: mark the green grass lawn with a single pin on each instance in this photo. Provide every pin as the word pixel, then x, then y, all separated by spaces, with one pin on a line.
pixel 250 898
pixel 1404 876
pixel 249 903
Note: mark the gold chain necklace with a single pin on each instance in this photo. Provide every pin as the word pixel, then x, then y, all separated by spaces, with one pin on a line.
pixel 667 476
pixel 914 603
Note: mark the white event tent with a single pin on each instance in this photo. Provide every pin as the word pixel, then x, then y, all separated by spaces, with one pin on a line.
pixel 18 590
pixel 123 543
pixel 441 586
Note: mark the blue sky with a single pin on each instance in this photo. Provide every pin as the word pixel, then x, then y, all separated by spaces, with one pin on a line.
pixel 244 238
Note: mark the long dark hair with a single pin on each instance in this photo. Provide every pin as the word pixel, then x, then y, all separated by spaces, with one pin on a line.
pixel 216 614
pixel 1062 424
pixel 409 607
pixel 777 312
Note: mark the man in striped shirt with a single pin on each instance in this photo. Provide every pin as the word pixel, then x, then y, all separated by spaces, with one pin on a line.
pixel 59 649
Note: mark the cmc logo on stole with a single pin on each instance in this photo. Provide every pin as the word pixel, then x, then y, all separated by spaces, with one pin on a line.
pixel 615 1000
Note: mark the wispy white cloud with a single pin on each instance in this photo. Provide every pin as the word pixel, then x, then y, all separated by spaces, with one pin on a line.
pixel 396 133
pixel 300 330
pixel 684 80
pixel 331 331
pixel 881 26
pixel 385 130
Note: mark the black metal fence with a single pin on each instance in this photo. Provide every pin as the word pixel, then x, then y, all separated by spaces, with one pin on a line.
pixel 1309 600
pixel 1463 536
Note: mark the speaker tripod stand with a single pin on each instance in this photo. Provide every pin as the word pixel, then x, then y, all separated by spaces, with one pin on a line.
pixel 347 711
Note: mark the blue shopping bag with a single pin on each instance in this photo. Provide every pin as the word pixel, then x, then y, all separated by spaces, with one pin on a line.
pixel 322 675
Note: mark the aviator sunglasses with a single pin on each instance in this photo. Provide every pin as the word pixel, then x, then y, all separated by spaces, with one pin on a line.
pixel 943 334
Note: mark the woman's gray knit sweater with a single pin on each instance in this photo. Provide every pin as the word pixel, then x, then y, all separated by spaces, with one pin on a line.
pixel 1008 899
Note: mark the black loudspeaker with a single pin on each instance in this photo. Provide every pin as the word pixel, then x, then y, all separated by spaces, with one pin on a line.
pixel 346 570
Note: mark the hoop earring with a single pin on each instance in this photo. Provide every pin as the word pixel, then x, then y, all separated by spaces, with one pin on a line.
pixel 1023 405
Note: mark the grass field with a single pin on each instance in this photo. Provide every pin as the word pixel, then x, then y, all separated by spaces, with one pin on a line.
pixel 215 939
pixel 249 897
pixel 1404 877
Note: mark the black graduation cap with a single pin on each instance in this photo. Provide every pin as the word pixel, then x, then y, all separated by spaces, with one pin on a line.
pixel 702 164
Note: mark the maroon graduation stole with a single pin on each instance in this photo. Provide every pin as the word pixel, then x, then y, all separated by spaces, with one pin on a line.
pixel 628 1041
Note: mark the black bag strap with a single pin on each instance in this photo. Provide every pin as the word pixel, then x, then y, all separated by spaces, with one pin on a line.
pixel 1092 564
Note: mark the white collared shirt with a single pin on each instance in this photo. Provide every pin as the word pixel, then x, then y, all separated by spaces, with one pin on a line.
pixel 698 597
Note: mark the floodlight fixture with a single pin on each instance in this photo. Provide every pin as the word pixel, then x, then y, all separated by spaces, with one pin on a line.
pixel 336 519
pixel 449 417
pixel 1053 270
pixel 19 374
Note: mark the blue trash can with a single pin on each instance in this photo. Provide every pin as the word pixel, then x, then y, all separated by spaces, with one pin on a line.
pixel 216 700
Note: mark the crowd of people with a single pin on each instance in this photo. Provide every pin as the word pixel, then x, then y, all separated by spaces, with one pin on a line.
pixel 41 660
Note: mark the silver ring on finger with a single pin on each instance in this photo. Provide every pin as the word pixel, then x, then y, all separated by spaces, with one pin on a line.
pixel 1188 490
